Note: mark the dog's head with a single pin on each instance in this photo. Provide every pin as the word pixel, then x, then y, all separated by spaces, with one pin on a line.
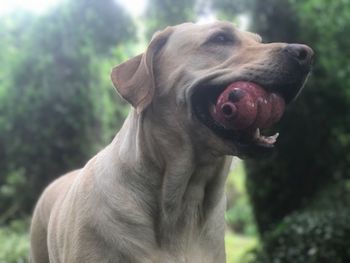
pixel 187 68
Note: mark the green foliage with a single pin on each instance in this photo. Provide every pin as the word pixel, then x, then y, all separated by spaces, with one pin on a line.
pixel 14 242
pixel 239 215
pixel 55 93
pixel 237 247
pixel 228 9
pixel 163 13
pixel 15 182
pixel 318 233
pixel 311 237
pixel 314 144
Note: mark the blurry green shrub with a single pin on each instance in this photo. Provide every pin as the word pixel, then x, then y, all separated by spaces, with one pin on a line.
pixel 239 214
pixel 14 245
pixel 240 217
pixel 163 13
pixel 314 146
pixel 237 246
pixel 57 104
pixel 312 237
pixel 15 183
pixel 319 233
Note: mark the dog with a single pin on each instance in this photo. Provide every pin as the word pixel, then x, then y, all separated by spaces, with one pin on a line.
pixel 156 193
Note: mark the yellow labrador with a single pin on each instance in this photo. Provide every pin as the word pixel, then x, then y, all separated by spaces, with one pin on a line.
pixel 156 193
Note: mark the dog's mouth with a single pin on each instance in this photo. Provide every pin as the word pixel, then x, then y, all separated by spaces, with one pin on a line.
pixel 242 113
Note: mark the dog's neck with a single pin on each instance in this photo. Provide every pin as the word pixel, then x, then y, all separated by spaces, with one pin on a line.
pixel 185 185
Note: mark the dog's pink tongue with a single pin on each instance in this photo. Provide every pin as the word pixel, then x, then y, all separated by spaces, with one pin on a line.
pixel 245 105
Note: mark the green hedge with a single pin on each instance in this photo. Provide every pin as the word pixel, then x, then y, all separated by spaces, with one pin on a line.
pixel 14 245
pixel 57 104
pixel 312 237
pixel 318 233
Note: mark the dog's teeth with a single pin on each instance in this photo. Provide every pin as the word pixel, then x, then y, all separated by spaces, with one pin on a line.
pixel 275 136
pixel 272 139
pixel 257 133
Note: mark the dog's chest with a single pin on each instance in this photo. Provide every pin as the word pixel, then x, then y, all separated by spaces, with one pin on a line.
pixel 192 254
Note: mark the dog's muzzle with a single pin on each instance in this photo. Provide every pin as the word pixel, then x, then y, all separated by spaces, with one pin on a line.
pixel 240 111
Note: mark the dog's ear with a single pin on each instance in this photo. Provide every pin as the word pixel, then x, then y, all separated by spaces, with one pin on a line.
pixel 134 79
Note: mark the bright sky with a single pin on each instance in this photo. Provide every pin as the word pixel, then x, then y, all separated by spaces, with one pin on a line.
pixel 135 7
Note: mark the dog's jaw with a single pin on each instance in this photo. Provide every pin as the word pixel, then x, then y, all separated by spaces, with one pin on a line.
pixel 245 143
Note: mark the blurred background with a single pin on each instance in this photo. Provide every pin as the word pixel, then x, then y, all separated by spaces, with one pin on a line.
pixel 58 108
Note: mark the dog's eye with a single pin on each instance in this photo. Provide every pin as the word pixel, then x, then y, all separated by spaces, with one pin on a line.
pixel 221 38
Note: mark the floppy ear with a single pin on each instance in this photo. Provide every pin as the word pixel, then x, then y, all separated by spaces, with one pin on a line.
pixel 134 79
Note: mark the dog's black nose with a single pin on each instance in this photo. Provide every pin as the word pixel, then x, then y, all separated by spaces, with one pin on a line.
pixel 297 60
pixel 301 53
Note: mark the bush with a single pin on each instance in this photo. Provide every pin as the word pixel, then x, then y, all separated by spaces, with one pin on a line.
pixel 57 104
pixel 318 233
pixel 312 237
pixel 239 215
pixel 314 144
pixel 14 242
